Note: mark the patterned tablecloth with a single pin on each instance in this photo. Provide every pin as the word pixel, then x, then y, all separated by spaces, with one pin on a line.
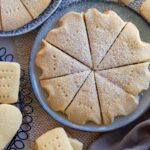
pixel 20 48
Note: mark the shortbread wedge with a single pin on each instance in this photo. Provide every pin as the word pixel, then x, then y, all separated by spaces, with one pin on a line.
pixel 85 106
pixel 113 100
pixel 62 90
pixel 9 82
pixel 36 7
pixel 13 14
pixel 10 121
pixel 71 37
pixel 54 63
pixel 133 79
pixel 55 139
pixel 103 29
pixel 128 49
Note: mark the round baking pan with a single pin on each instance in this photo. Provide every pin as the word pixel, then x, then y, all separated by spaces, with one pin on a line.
pixel 126 14
pixel 35 22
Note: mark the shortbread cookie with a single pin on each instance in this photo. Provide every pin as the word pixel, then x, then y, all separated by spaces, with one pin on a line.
pixel 55 139
pixel 113 100
pixel 145 10
pixel 77 145
pixel 71 37
pixel 133 79
pixel 85 106
pixel 55 63
pixel 62 90
pixel 128 49
pixel 10 121
pixel 13 14
pixel 9 82
pixel 103 29
pixel 36 7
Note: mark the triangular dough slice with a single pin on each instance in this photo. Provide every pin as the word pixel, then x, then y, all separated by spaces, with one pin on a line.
pixel 10 121
pixel 128 49
pixel 71 37
pixel 133 79
pixel 85 106
pixel 13 14
pixel 54 62
pixel 103 29
pixel 55 139
pixel 62 90
pixel 113 100
pixel 36 7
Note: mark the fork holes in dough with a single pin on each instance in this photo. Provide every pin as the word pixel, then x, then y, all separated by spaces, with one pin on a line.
pixel 58 85
pixel 76 82
pixel 97 26
pixel 79 103
pixel 54 56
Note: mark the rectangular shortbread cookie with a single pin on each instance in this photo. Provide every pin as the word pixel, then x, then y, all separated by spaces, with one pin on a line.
pixel 9 82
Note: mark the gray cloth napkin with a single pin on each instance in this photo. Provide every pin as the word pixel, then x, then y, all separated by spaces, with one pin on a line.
pixel 135 136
